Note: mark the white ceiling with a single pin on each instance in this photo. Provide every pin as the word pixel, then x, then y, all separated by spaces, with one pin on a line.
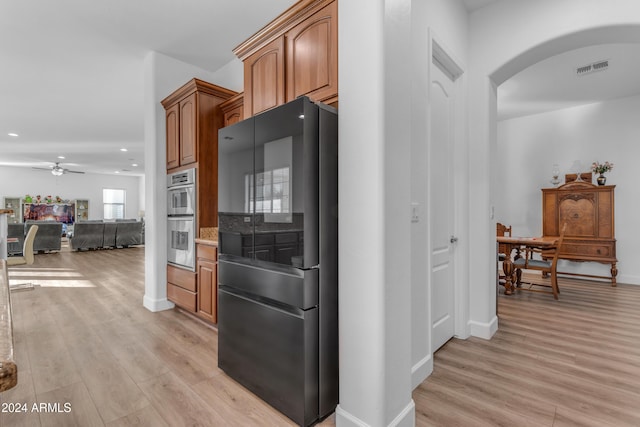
pixel 553 84
pixel 71 81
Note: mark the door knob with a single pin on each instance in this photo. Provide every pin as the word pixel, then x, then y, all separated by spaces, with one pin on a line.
pixel 453 239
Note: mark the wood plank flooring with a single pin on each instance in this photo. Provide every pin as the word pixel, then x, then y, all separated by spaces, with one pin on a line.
pixel 83 338
pixel 571 362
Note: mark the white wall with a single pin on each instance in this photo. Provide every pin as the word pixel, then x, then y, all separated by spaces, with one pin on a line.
pixel 18 182
pixel 230 75
pixel 529 146
pixel 374 199
pixel 506 37
pixel 163 75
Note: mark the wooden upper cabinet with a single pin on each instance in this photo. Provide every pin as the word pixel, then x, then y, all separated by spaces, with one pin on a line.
pixel 294 55
pixel 233 109
pixel 173 137
pixel 312 56
pixel 193 118
pixel 264 78
pixel 188 129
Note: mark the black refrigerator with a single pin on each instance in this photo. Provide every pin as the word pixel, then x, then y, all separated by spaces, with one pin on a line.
pixel 278 257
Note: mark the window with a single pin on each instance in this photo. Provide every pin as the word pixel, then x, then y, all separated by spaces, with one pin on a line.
pixel 113 202
pixel 272 195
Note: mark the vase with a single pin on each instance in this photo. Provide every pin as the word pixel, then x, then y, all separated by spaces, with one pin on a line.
pixel 602 180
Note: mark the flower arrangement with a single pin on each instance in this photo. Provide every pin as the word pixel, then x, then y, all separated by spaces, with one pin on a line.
pixel 601 167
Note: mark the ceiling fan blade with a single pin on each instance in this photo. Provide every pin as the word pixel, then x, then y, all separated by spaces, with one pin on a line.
pixel 67 170
pixel 42 169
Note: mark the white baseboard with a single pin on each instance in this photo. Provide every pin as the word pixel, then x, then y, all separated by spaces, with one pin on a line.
pixel 421 370
pixel 484 330
pixel 406 418
pixel 156 305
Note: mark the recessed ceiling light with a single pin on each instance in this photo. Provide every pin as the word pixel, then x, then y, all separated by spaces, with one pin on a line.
pixel 134 164
pixel 123 149
pixel 117 172
pixel 12 134
pixel 61 157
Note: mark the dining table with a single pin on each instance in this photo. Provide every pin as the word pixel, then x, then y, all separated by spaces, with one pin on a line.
pixel 519 244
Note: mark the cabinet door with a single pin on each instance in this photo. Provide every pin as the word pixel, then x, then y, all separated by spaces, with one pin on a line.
pixel 233 116
pixel 188 126
pixel 208 290
pixel 312 56
pixel 173 137
pixel 264 78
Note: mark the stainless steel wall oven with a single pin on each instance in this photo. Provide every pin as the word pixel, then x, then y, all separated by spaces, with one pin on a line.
pixel 181 221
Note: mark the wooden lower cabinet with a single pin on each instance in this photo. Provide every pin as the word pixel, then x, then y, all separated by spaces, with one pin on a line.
pixel 207 266
pixel 182 287
pixel 197 292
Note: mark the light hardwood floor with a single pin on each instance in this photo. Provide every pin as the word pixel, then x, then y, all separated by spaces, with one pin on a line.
pixel 571 362
pixel 83 338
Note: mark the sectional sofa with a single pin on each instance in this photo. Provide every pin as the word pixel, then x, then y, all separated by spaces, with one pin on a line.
pixel 48 238
pixel 104 234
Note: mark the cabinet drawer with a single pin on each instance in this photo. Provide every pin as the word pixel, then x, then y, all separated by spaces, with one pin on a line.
pixel 184 278
pixel 207 252
pixel 588 249
pixel 182 297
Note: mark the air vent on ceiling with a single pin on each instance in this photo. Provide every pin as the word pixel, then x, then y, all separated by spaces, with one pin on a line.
pixel 593 67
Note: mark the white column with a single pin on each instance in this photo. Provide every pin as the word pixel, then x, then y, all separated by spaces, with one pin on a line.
pixel 374 183
pixel 155 270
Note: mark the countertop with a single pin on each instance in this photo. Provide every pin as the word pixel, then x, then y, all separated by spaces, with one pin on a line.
pixel 207 242
pixel 6 211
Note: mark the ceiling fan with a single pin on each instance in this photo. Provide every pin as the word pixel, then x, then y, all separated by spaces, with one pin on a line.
pixel 58 170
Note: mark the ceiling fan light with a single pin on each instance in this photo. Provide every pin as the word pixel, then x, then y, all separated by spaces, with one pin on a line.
pixel 57 171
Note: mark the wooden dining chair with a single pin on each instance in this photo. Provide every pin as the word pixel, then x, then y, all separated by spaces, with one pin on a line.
pixel 545 260
pixel 502 230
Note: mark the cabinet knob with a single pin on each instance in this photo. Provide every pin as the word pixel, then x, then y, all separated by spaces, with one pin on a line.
pixel 453 239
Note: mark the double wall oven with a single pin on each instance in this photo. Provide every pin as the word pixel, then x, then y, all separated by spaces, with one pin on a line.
pixel 181 221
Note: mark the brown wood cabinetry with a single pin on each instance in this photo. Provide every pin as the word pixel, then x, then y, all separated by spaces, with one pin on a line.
pixel 296 54
pixel 182 287
pixel 173 136
pixel 233 109
pixel 312 56
pixel 193 117
pixel 588 211
pixel 207 266
pixel 264 77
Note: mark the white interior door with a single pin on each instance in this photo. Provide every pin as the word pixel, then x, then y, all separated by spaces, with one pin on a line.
pixel 441 207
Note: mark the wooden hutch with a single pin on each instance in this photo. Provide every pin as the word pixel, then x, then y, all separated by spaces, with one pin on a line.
pixel 588 211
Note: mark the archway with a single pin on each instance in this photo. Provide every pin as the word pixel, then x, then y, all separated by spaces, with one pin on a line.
pixel 605 35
